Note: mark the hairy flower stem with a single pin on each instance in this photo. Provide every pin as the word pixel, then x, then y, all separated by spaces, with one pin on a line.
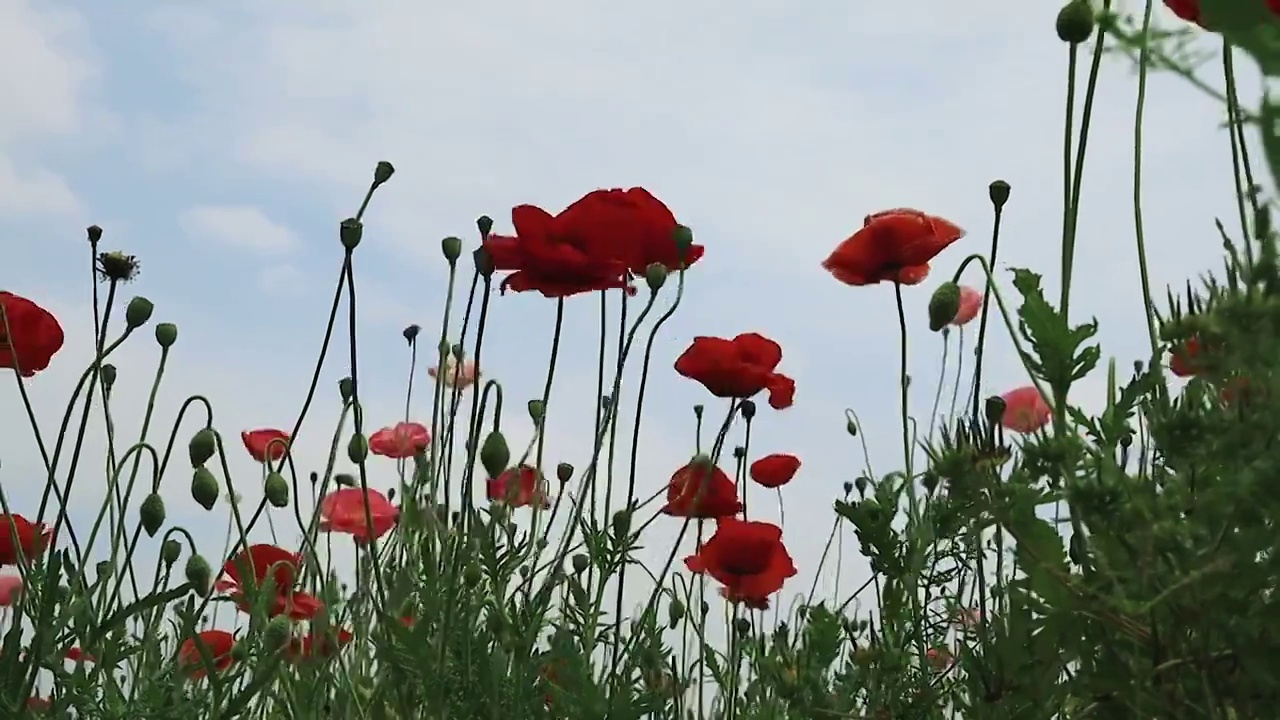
pixel 1144 58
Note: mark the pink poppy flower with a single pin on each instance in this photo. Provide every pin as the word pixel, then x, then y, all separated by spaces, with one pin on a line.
pixel 456 374
pixel 400 441
pixel 1025 410
pixel 343 511
pixel 10 590
pixel 970 304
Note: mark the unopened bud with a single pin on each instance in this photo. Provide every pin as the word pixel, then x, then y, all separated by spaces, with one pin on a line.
pixel 994 409
pixel 108 375
pixel 277 490
pixel 1075 22
pixel 358 448
pixel 943 305
pixel 138 312
pixel 151 512
pixel 204 488
pixel 683 238
pixel 277 634
pixel 495 456
pixel 170 551
pixel 202 447
pixel 198 574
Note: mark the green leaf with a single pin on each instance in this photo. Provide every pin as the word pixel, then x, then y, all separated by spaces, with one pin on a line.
pixel 1040 554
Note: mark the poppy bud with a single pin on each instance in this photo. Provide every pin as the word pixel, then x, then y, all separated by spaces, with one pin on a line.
pixel 564 471
pixel 994 409
pixel 860 483
pixel 108 376
pixel 95 234
pixel 138 312
pixel 580 563
pixel 471 576
pixel 166 335
pixel 451 247
pixel 170 551
pixel 742 626
pixel 345 480
pixel 621 523
pixel 198 574
pixel 851 427
pixel 484 224
pixel 204 488
pixel 1075 22
pixel 683 238
pixel 848 487
pixel 383 172
pixel 391 493
pixel 411 333
pixel 999 192
pixel 358 448
pixel 655 276
pixel 457 351
pixel 151 512
pixel 675 612
pixel 1126 440
pixel 698 410
pixel 345 386
pixel 276 490
pixel 537 411
pixel 350 231
pixel 495 456
pixel 202 446
pixel 483 261
pixel 277 634
pixel 943 305
pixel 748 409
pixel 239 652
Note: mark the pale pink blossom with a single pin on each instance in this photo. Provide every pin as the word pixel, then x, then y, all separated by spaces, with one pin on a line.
pixel 1025 410
pixel 970 304
pixel 460 375
pixel 10 589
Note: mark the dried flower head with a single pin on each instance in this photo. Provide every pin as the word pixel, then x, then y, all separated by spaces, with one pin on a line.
pixel 115 266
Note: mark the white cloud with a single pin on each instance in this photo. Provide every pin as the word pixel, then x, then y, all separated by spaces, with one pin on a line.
pixel 34 192
pixel 240 227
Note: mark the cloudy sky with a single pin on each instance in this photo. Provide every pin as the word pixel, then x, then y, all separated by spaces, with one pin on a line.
pixel 221 143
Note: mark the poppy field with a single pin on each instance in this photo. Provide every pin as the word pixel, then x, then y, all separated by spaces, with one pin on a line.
pixel 1044 562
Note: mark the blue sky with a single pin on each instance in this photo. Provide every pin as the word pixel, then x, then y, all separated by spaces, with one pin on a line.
pixel 222 143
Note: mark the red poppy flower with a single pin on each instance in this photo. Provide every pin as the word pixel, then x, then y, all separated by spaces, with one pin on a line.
pixel 312 646
pixel 1025 410
pixel 775 470
pixel 34 335
pixel 257 442
pixel 970 305
pixel 32 539
pixel 1187 359
pixel 1189 10
pixel 628 225
pixel 754 603
pixel 738 368
pixel 217 642
pixel 75 654
pixel 343 511
pixel 518 487
pixel 253 566
pixel 39 704
pixel 701 490
pixel 400 441
pixel 894 245
pixel 747 557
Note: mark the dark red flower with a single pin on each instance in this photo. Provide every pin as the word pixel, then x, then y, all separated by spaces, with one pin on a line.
pixel 1189 10
pixel 518 487
pixel 217 642
pixel 701 490
pixel 1187 359
pixel 312 646
pixel 738 368
pixel 257 564
pixel 259 442
pixel 32 539
pixel 343 511
pixel 628 225
pixel 39 704
pixel 400 441
pixel 75 654
pixel 747 557
pixel 754 603
pixel 34 335
pixel 894 245
pixel 775 470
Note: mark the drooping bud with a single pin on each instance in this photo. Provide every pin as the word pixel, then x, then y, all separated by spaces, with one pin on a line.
pixel 675 613
pixel 943 305
pixel 564 471
pixel 277 634
pixel 537 411
pixel 138 312
pixel 999 192
pixel 277 490
pixel 851 427
pixel 202 446
pixel 350 231
pixel 151 512
pixel 655 276
pixel 1075 22
pixel 166 335
pixel 358 448
pixel 495 456
pixel 198 574
pixel 994 409
pixel 204 487
pixel 170 551
pixel 383 172
pixel 108 375
pixel 451 247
